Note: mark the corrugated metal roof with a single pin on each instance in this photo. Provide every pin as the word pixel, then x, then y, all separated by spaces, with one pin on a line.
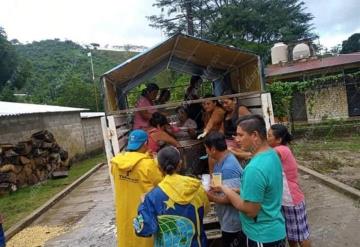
pixel 342 59
pixel 91 114
pixel 11 108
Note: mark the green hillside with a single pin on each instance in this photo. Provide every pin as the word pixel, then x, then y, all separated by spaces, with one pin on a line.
pixel 61 72
pixel 61 75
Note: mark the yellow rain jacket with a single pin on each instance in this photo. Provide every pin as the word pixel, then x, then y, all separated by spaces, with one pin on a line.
pixel 173 212
pixel 134 175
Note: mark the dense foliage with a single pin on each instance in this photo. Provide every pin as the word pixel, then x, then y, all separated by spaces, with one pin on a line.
pixel 61 73
pixel 250 24
pixel 14 69
pixel 282 92
pixel 352 44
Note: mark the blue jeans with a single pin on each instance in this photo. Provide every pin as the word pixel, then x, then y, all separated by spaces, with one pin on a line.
pixel 2 237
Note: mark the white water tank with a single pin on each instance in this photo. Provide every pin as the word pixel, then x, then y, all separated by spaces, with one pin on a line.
pixel 279 53
pixel 301 51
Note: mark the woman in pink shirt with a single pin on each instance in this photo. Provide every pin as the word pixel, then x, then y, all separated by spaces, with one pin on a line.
pixel 141 119
pixel 293 204
pixel 158 135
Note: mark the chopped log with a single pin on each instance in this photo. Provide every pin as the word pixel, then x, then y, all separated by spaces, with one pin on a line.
pixel 36 143
pixel 59 174
pixel 5 185
pixel 8 168
pixel 55 148
pixel 47 145
pixel 49 167
pixel 9 177
pixel 32 179
pixel 4 188
pixel 24 160
pixel 40 152
pixel 21 179
pixel 29 162
pixel 64 155
pixel 41 175
pixel 6 146
pixel 44 135
pixel 40 161
pixel 10 153
pixel 27 171
pixel 54 157
pixel 23 148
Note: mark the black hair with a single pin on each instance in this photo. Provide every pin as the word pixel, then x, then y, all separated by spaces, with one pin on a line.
pixel 280 131
pixel 169 159
pixel 228 92
pixel 158 119
pixel 194 79
pixel 215 140
pixel 163 92
pixel 251 123
pixel 213 100
pixel 182 109
pixel 149 88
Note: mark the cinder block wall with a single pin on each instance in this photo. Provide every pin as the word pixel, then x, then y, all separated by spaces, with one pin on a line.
pixel 66 127
pixel 327 103
pixel 92 134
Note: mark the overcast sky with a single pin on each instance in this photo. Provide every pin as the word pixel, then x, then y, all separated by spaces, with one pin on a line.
pixel 118 22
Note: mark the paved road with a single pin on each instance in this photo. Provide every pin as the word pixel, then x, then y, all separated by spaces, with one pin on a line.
pixel 88 213
pixel 88 210
pixel 334 218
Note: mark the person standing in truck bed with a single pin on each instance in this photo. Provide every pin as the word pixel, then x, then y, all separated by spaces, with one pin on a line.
pixel 148 95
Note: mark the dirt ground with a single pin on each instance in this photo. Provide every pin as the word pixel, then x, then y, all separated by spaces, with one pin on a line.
pixel 338 158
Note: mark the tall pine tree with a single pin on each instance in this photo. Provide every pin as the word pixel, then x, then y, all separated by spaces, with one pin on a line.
pixel 251 24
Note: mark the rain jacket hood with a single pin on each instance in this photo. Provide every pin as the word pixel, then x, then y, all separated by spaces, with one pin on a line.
pixel 180 189
pixel 128 160
pixel 134 175
pixel 173 212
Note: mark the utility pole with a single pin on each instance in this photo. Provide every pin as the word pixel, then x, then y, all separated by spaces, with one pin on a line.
pixel 93 78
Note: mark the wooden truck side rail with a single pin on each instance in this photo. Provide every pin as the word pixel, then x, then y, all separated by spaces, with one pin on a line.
pixel 117 126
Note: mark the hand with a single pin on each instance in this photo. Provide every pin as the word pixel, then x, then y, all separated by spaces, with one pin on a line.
pixel 202 135
pixel 211 195
pixel 216 188
pixel 236 190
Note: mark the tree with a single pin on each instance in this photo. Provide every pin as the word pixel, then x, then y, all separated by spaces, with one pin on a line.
pixel 178 16
pixel 352 44
pixel 75 93
pixel 251 24
pixel 14 70
pixel 8 61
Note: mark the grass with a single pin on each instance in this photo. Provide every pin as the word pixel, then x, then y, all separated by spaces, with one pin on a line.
pixel 21 203
pixel 347 143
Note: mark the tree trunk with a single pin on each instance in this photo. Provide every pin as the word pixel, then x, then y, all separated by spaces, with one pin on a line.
pixel 189 17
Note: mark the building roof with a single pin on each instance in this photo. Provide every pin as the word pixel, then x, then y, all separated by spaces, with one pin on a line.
pixel 311 65
pixel 91 114
pixel 11 108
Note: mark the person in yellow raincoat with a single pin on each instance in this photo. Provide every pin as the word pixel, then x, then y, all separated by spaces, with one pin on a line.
pixel 135 173
pixel 173 211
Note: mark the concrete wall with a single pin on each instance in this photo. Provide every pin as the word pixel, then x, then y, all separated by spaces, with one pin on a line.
pixel 66 127
pixel 326 103
pixel 92 134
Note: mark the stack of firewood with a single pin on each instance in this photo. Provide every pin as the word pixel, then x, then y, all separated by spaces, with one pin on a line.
pixel 31 161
